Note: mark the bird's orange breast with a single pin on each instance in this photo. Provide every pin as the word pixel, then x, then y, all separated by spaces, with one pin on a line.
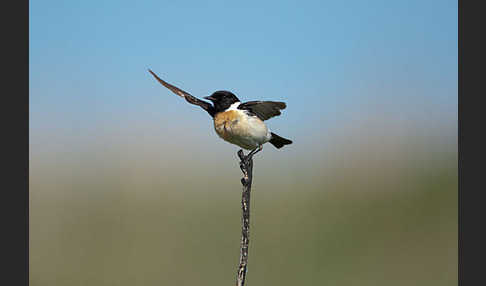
pixel 225 123
pixel 238 128
pixel 226 117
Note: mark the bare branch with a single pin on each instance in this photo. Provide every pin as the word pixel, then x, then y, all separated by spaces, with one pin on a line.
pixel 246 165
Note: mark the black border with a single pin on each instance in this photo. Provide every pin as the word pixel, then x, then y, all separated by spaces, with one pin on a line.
pixel 15 143
pixel 471 65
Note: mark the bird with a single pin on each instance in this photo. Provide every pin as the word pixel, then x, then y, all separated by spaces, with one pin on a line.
pixel 235 122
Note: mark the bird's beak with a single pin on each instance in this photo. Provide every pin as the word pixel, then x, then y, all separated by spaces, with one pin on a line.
pixel 208 97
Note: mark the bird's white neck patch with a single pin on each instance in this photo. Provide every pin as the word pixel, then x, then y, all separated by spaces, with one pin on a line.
pixel 234 106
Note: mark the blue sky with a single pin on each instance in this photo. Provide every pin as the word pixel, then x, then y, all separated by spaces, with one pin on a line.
pixel 328 60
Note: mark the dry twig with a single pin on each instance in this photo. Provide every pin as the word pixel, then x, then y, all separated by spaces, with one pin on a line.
pixel 246 165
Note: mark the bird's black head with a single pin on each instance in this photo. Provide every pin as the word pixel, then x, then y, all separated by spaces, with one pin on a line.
pixel 222 100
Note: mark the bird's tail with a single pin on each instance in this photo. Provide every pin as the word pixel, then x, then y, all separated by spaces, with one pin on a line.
pixel 278 141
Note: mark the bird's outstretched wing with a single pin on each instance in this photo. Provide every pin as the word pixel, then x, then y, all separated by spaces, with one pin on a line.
pixel 263 109
pixel 189 98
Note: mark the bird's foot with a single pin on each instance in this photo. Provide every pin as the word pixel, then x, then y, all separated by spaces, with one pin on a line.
pixel 254 151
pixel 246 163
pixel 250 155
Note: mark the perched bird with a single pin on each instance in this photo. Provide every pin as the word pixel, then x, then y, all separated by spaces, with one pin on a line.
pixel 235 122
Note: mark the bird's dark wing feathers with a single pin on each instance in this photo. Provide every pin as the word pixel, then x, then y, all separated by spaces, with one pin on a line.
pixel 263 109
pixel 189 98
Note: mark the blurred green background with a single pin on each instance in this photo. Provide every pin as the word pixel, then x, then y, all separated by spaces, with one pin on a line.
pixel 129 185
pixel 141 212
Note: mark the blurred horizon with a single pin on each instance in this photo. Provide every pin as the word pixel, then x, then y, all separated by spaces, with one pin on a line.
pixel 129 184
